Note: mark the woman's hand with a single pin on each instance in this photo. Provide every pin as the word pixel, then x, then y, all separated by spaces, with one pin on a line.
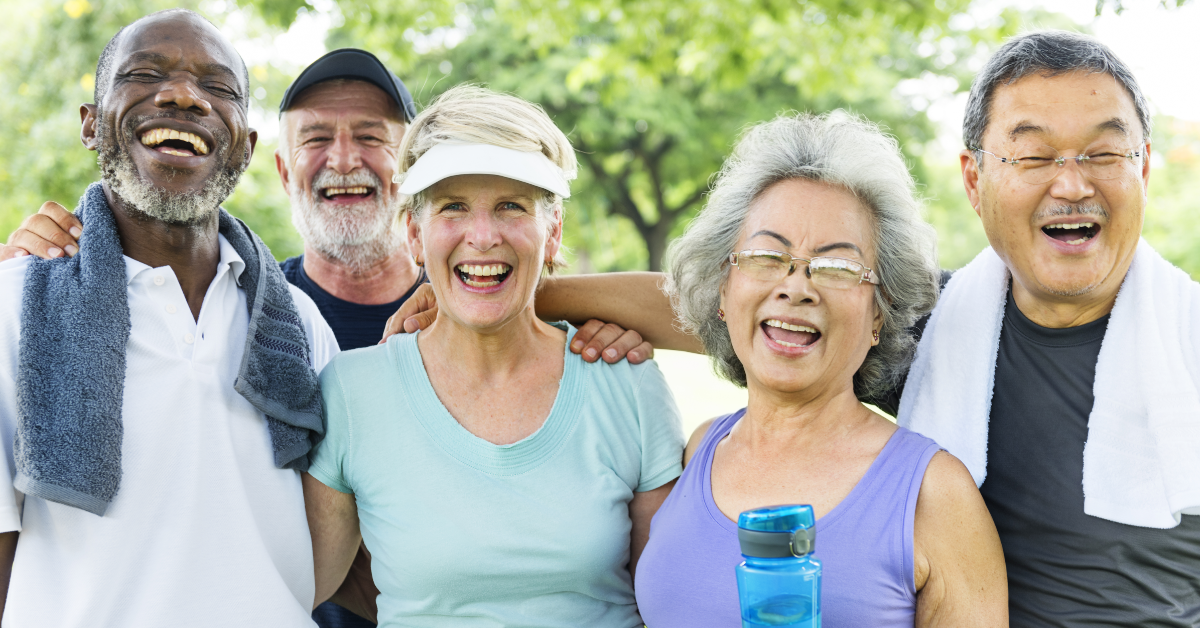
pixel 958 563
pixel 593 340
pixel 52 232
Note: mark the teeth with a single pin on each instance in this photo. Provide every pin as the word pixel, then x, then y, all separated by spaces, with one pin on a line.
pixel 1079 241
pixel 782 325
pixel 361 189
pixel 787 344
pixel 1078 225
pixel 482 284
pixel 483 271
pixel 154 137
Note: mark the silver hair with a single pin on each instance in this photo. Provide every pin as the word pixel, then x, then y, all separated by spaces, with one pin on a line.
pixel 1049 53
pixel 836 149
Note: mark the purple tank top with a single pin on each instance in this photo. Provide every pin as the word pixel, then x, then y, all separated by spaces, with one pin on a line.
pixel 685 577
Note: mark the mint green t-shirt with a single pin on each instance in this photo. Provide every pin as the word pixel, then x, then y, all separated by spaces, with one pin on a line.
pixel 463 532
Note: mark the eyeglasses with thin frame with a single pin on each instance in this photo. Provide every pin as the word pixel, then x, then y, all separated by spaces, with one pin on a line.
pixel 1040 164
pixel 826 272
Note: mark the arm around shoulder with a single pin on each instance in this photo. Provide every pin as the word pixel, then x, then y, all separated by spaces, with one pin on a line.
pixel 958 562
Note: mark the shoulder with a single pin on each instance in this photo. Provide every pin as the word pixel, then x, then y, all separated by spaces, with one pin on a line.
pixel 12 273
pixel 949 511
pixel 696 438
pixel 12 288
pixel 291 268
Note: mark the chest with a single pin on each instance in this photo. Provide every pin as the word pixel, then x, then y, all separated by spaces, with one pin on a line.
pixel 500 412
pixel 743 479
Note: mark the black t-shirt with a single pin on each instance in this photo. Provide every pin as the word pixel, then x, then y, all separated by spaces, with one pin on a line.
pixel 1066 568
pixel 354 325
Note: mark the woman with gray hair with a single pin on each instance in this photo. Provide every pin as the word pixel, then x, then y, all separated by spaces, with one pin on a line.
pixel 496 478
pixel 801 277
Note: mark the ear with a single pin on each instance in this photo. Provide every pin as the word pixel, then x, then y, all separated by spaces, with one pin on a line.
pixel 970 176
pixel 87 120
pixel 877 321
pixel 414 239
pixel 1146 169
pixel 554 238
pixel 253 137
pixel 282 169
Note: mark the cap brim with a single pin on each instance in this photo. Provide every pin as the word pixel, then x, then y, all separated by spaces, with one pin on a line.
pixel 449 159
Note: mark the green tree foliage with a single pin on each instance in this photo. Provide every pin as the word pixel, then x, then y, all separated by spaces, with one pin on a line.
pixel 653 94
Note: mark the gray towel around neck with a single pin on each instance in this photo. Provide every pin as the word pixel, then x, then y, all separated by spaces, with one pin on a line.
pixel 71 368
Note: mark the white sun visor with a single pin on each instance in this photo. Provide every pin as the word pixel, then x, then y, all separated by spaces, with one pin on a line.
pixel 450 159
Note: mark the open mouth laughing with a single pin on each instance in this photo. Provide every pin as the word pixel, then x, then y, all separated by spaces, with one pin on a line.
pixel 173 142
pixel 1072 233
pixel 483 275
pixel 350 194
pixel 790 335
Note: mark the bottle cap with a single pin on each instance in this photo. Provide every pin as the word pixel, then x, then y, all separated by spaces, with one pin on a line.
pixel 777 531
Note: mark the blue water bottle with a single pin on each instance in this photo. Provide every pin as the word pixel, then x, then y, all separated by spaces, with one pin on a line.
pixel 780 582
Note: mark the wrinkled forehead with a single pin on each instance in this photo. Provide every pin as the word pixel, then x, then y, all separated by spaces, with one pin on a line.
pixel 180 40
pixel 1068 109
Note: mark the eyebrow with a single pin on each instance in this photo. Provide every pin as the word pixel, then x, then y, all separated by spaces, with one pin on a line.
pixel 1114 124
pixel 837 245
pixel 1024 128
pixel 771 234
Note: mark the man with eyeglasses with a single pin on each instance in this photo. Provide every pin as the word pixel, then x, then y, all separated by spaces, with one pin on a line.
pixel 1060 366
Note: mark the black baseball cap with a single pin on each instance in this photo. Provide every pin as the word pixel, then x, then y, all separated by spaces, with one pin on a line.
pixel 351 63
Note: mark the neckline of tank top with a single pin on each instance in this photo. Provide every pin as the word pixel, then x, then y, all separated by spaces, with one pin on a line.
pixel 825 520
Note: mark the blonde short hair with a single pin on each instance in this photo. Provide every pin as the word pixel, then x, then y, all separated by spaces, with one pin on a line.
pixel 473 114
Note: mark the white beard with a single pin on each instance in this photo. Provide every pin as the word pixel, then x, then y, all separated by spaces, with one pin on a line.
pixel 359 235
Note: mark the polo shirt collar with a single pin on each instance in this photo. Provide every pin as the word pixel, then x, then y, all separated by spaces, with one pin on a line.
pixel 229 259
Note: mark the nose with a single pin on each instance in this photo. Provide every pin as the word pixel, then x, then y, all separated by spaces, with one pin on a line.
pixel 483 232
pixel 182 93
pixel 343 156
pixel 1071 183
pixel 798 287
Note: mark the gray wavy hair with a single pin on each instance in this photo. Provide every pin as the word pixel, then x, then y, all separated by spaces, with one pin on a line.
pixel 837 149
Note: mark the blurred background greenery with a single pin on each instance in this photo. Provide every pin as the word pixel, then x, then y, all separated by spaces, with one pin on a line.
pixel 651 92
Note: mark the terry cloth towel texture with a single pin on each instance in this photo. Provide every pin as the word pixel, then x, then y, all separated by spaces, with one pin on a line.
pixel 1141 462
pixel 71 363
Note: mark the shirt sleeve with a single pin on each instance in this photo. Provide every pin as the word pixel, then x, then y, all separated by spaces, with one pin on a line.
pixel 661 430
pixel 12 283
pixel 330 458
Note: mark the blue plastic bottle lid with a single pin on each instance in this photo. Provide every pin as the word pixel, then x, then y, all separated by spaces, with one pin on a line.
pixel 777 531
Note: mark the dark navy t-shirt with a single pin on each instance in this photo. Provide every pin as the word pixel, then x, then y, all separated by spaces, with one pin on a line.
pixel 354 325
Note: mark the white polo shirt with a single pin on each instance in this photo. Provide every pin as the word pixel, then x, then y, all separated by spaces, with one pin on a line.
pixel 204 531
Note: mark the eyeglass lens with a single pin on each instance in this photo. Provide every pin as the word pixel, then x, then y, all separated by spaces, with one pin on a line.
pixel 827 272
pixel 1040 163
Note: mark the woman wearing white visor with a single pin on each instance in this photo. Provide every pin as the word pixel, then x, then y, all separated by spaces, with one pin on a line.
pixel 496 478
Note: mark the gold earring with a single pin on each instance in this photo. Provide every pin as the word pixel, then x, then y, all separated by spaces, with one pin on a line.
pixel 720 314
pixel 875 335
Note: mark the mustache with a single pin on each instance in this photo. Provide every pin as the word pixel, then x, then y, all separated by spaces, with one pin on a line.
pixel 1072 209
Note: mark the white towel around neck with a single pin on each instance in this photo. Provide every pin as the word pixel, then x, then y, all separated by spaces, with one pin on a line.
pixel 1141 462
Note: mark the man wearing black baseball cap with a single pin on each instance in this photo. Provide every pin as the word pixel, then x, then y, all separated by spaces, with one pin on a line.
pixel 341 122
